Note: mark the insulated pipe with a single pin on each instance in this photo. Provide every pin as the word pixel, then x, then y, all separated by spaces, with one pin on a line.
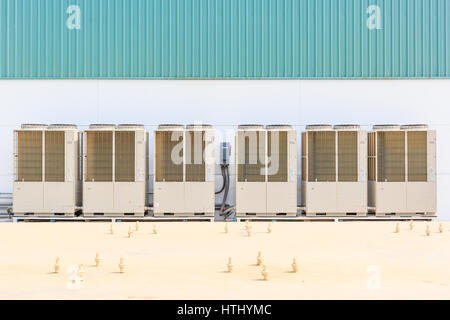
pixel 224 180
pixel 225 196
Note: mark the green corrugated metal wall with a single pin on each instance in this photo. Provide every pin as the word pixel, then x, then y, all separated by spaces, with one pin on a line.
pixel 216 39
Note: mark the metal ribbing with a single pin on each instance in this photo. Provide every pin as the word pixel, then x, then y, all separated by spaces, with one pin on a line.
pixel 217 39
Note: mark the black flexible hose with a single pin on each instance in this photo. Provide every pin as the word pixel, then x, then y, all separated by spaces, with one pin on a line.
pixel 224 180
pixel 225 195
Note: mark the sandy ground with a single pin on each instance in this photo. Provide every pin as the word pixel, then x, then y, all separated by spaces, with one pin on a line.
pixel 351 260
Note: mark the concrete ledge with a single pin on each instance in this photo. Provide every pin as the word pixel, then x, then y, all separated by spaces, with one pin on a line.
pixel 300 218
pixel 111 219
pixel 304 218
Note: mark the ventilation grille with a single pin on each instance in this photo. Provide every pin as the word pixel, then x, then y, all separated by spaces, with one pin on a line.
pixel 321 156
pixel 251 156
pixel 54 156
pixel 304 156
pixel 372 157
pixel 347 156
pixel 391 156
pixel 277 152
pixel 79 165
pixel 195 161
pixel 29 157
pixel 167 167
pixel 99 156
pixel 124 156
pixel 417 156
pixel 147 159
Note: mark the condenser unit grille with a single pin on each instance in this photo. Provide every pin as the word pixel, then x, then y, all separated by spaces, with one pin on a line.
pixel 347 156
pixel 54 156
pixel 372 157
pixel 251 161
pixel 125 156
pixel 79 164
pixel 99 158
pixel 391 156
pixel 321 156
pixel 29 156
pixel 277 152
pixel 169 156
pixel 147 158
pixel 303 156
pixel 417 156
pixel 195 161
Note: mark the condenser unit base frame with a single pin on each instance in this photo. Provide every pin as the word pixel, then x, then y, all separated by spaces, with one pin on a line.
pixel 335 214
pixel 183 214
pixel 113 214
pixel 45 214
pixel 267 214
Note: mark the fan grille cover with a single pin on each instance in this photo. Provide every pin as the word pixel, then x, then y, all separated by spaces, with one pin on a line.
pixel 251 156
pixel 54 156
pixel 169 156
pixel 277 152
pixel 195 160
pixel 29 157
pixel 391 156
pixel 321 156
pixel 417 156
pixel 99 156
pixel 125 156
pixel 372 156
pixel 347 156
